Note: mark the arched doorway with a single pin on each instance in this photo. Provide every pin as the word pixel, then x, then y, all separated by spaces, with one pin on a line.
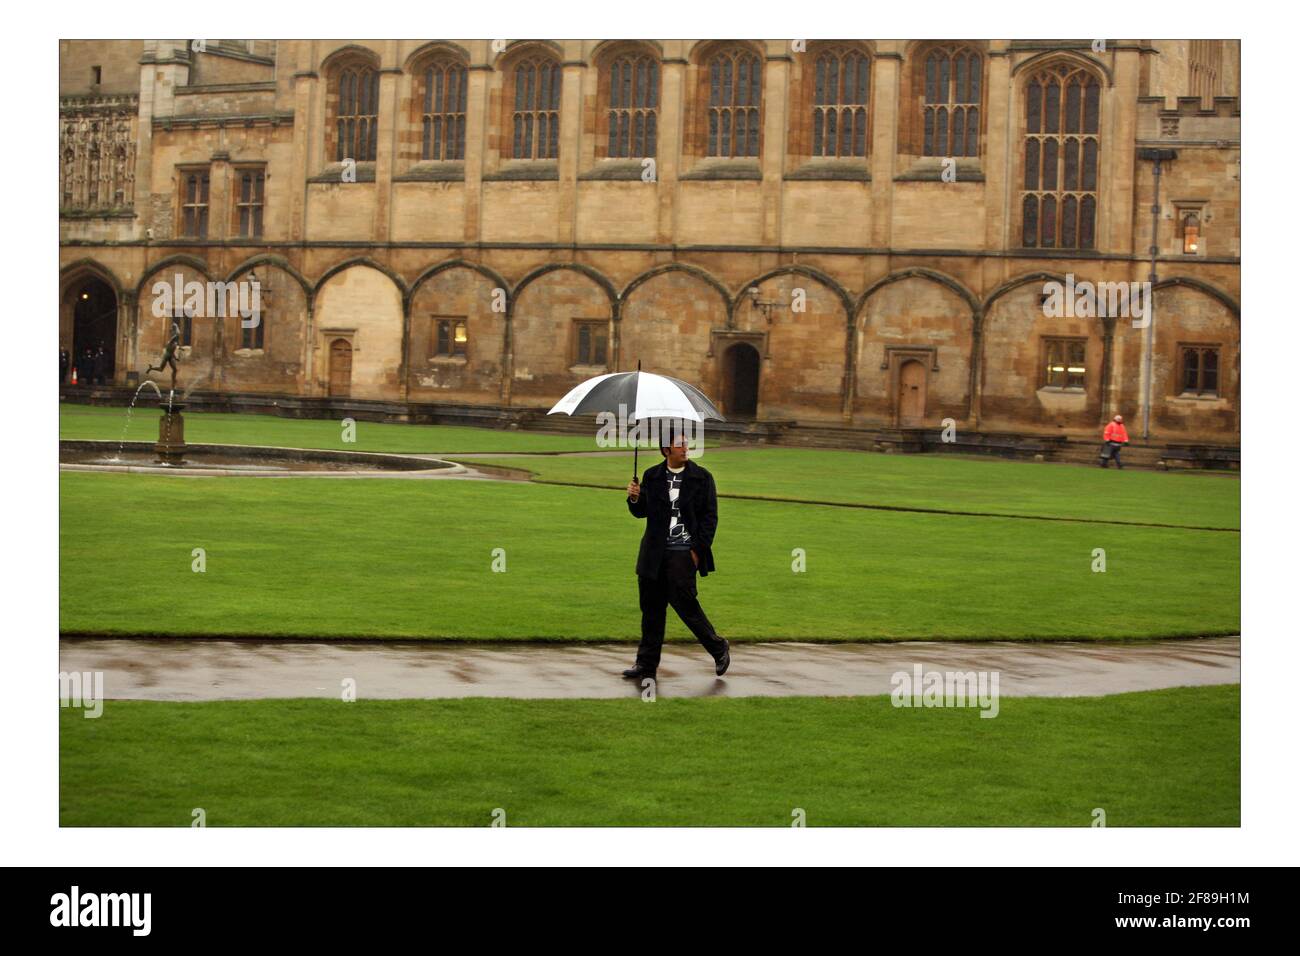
pixel 740 375
pixel 94 330
pixel 340 368
pixel 911 393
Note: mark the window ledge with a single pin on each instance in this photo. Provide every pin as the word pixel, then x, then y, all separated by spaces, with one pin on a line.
pixel 724 169
pixel 1198 399
pixel 333 173
pixel 523 170
pixel 843 170
pixel 929 169
pixel 607 170
pixel 250 353
pixel 449 359
pixel 589 369
pixel 434 171
pixel 1056 390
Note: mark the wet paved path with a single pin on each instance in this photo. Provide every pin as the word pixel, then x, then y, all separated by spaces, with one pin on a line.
pixel 179 669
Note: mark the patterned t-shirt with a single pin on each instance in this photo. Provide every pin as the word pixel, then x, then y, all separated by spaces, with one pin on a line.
pixel 679 539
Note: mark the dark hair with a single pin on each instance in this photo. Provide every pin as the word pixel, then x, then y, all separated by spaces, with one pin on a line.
pixel 669 435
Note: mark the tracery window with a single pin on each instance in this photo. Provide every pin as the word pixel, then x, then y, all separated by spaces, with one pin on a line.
pixel 954 77
pixel 735 102
pixel 632 107
pixel 1060 154
pixel 841 85
pixel 443 111
pixel 357 115
pixel 535 114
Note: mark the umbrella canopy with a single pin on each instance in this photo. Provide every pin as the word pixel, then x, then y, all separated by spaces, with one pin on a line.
pixel 642 394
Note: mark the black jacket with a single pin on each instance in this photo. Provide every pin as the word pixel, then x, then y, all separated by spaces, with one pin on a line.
pixel 698 504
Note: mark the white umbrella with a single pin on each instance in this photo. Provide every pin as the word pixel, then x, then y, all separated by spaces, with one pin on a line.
pixel 642 395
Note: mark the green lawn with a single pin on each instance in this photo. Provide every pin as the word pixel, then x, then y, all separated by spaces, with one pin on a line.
pixel 400 558
pixel 936 482
pixel 108 424
pixel 1163 758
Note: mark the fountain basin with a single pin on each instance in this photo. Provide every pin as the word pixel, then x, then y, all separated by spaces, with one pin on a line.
pixel 200 459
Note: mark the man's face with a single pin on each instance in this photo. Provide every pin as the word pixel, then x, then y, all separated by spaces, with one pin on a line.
pixel 677 453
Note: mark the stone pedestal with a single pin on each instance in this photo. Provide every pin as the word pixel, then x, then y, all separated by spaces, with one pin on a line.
pixel 171 436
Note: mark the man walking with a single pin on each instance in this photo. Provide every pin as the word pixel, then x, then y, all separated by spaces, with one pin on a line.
pixel 1115 437
pixel 679 501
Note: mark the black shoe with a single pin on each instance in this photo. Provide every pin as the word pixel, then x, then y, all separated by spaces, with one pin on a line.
pixel 725 660
pixel 636 672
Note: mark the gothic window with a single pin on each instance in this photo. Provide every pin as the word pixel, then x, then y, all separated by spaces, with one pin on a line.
pixel 194 203
pixel 1064 363
pixel 841 83
pixel 592 341
pixel 1200 372
pixel 1191 234
pixel 253 337
pixel 1060 154
pixel 250 198
pixel 356 125
pixel 951 110
pixel 451 337
pixel 632 106
pixel 535 112
pixel 735 102
pixel 443 111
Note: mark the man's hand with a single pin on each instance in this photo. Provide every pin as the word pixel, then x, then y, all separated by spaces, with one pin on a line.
pixel 695 557
pixel 634 489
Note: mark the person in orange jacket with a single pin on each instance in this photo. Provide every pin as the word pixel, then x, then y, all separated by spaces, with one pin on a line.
pixel 1115 437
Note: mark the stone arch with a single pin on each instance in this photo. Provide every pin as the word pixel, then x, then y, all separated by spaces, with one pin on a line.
pixel 180 259
pixel 929 275
pixel 1189 314
pixel 815 274
pixel 443 297
pixel 607 48
pixel 915 349
pixel 278 262
pixel 1073 57
pixel 1203 286
pixel 523 47
pixel 93 312
pixel 1017 281
pixel 369 263
pixel 1016 339
pixel 696 271
pixel 364 304
pixel 547 335
pixel 261 360
pixel 419 56
pixel 487 272
pixel 593 274
pixel 348 54
pixel 804 354
pixel 73 272
pixel 667 318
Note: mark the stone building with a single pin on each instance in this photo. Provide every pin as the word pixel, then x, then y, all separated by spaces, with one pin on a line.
pixel 854 235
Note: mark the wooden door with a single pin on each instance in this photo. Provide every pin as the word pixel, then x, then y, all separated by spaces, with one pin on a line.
pixel 911 393
pixel 340 368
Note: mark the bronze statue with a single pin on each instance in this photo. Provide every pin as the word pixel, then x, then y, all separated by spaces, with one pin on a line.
pixel 169 354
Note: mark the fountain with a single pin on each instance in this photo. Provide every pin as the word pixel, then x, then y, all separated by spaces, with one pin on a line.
pixel 170 447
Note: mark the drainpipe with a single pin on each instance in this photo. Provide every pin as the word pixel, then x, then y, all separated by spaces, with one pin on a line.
pixel 1156 157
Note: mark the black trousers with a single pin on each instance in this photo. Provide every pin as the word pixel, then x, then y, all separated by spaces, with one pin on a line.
pixel 1114 450
pixel 675 586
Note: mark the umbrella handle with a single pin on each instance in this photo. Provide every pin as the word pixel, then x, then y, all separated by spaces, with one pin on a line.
pixel 636 445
